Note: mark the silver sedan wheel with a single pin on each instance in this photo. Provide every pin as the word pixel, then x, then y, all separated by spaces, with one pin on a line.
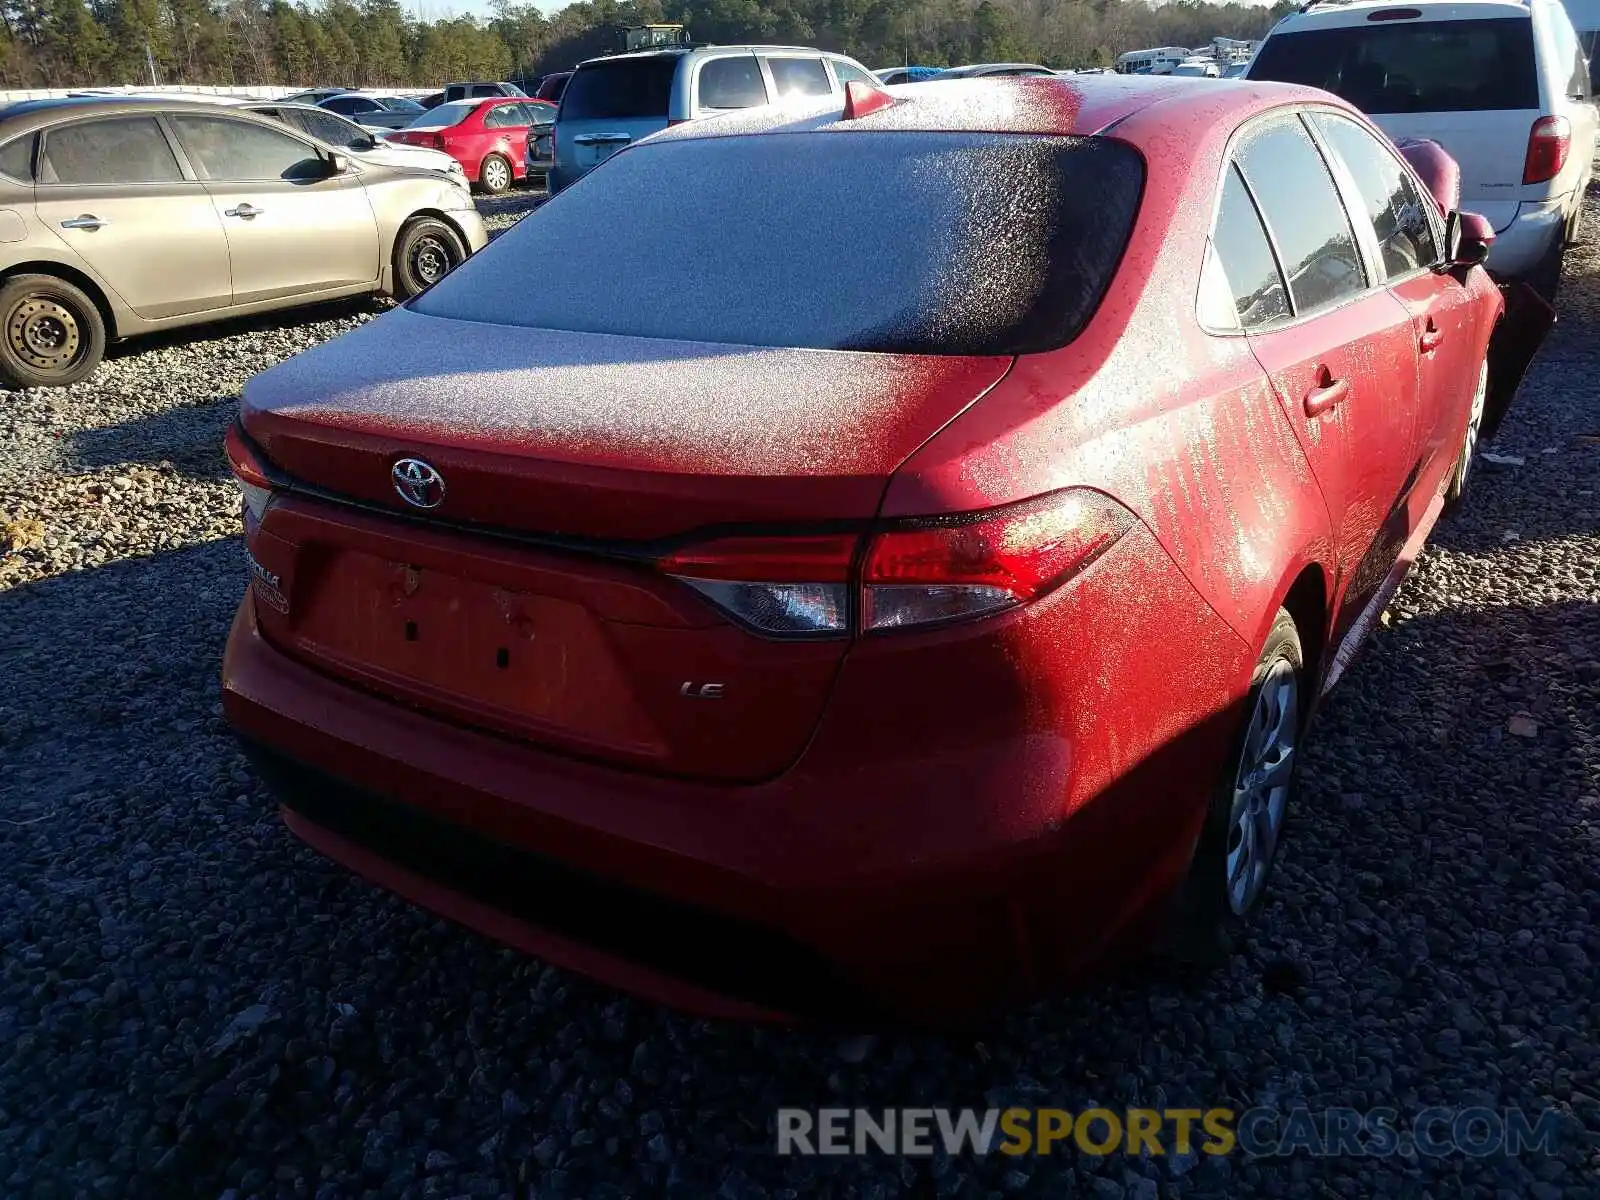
pixel 1261 786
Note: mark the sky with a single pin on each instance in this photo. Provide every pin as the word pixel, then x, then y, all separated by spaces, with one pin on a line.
pixel 433 10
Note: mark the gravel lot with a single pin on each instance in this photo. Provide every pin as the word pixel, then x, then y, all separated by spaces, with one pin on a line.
pixel 191 1004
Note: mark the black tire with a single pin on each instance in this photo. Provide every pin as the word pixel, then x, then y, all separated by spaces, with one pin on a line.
pixel 424 253
pixel 1457 487
pixel 495 175
pixel 1209 923
pixel 51 332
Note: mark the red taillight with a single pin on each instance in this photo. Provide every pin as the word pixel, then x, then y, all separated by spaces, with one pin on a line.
pixel 1548 144
pixel 985 562
pixel 913 573
pixel 249 471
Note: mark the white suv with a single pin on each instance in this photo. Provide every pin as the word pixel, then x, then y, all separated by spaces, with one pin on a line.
pixel 1501 85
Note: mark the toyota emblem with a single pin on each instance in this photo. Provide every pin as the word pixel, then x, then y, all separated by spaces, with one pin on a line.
pixel 418 483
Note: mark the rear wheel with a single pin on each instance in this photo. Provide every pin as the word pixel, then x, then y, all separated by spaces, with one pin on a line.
pixel 53 334
pixel 1469 443
pixel 426 250
pixel 1245 821
pixel 494 175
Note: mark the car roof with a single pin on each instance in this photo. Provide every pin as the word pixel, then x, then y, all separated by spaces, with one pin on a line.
pixel 1044 104
pixel 711 52
pixel 1332 13
pixel 35 114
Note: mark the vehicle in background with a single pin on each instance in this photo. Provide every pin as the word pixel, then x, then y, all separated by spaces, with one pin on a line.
pixel 487 137
pixel 315 95
pixel 1500 84
pixel 361 144
pixel 616 100
pixel 373 111
pixel 552 85
pixel 133 215
pixel 1158 61
pixel 993 71
pixel 1197 68
pixel 479 91
pixel 791 634
pixel 541 154
pixel 432 100
pixel 1585 18
pixel 1235 70
pixel 893 75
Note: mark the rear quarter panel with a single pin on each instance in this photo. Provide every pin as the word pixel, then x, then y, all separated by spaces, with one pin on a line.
pixel 1178 425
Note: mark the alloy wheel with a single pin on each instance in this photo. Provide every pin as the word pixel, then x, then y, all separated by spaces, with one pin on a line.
pixel 495 175
pixel 1261 785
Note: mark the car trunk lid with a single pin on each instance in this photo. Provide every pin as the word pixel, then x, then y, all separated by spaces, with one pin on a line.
pixel 527 602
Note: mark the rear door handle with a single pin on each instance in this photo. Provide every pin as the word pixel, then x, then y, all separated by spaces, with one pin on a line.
pixel 1326 396
pixel 87 221
pixel 1432 338
pixel 248 212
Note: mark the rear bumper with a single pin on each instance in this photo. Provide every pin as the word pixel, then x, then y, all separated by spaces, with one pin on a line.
pixel 928 872
pixel 1520 247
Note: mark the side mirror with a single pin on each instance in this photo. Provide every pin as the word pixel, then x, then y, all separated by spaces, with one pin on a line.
pixel 338 163
pixel 1468 238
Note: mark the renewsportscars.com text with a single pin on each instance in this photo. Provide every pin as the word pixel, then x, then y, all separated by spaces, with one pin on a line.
pixel 1258 1132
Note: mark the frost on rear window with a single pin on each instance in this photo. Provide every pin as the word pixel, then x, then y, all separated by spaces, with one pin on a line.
pixel 927 243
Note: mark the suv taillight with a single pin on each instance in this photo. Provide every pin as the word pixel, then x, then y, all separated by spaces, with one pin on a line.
pixel 1548 144
pixel 906 574
pixel 248 472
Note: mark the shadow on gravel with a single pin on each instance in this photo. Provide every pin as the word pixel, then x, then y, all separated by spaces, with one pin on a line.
pixel 190 438
pixel 193 1002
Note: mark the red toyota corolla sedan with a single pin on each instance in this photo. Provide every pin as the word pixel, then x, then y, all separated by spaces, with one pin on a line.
pixel 489 138
pixel 906 583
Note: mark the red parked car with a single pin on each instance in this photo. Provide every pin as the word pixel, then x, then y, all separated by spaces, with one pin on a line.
pixel 489 137
pixel 908 589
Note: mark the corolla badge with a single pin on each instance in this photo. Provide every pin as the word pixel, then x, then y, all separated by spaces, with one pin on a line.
pixel 418 483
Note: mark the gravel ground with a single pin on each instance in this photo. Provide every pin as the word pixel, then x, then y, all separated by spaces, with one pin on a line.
pixel 191 1004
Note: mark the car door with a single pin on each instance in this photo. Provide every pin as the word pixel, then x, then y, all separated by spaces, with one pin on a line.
pixel 509 122
pixel 114 193
pixel 293 228
pixel 1344 361
pixel 1406 238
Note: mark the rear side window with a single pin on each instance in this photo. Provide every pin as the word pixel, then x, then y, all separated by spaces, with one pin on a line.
pixel 799 77
pixel 620 88
pixel 916 262
pixel 733 82
pixel 1309 226
pixel 125 150
pixel 1394 204
pixel 1411 67
pixel 16 159
pixel 1241 249
pixel 505 116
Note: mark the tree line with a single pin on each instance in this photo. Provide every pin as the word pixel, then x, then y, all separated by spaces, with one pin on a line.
pixel 376 43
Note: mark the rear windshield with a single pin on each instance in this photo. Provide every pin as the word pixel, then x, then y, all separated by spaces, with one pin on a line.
pixel 942 243
pixel 1411 67
pixel 445 115
pixel 624 87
